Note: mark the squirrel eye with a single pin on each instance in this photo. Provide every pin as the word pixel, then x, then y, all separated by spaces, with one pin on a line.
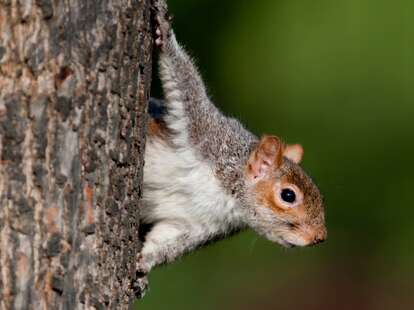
pixel 288 195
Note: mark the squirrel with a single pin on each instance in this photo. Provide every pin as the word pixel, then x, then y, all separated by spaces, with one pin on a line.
pixel 206 176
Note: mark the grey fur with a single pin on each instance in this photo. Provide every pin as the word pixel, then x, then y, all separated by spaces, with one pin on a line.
pixel 219 139
pixel 195 184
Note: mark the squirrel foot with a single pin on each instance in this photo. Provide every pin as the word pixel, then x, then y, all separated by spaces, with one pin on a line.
pixel 158 40
pixel 163 23
pixel 141 286
pixel 142 265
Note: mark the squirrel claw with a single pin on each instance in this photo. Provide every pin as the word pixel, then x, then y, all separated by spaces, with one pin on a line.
pixel 142 266
pixel 163 23
pixel 141 286
pixel 158 42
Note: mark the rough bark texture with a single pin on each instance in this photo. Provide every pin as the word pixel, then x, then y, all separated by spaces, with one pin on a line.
pixel 74 84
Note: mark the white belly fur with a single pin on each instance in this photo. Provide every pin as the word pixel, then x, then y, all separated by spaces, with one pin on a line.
pixel 179 185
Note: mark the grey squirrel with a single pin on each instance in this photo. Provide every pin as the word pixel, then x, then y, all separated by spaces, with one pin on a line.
pixel 206 176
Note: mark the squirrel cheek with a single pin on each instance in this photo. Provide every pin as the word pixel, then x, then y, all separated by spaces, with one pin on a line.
pixel 265 195
pixel 268 194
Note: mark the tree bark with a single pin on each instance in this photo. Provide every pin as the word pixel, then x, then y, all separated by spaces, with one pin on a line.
pixel 74 84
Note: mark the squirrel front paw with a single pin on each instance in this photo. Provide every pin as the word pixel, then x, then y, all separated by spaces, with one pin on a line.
pixel 140 286
pixel 143 264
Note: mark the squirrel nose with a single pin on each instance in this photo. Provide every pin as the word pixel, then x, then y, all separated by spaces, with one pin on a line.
pixel 318 240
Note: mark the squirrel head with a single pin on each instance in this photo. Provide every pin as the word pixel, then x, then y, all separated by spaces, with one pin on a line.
pixel 285 205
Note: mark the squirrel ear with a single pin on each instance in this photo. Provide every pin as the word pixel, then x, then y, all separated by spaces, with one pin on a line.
pixel 294 152
pixel 267 154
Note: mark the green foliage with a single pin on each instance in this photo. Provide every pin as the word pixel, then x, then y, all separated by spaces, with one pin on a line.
pixel 337 77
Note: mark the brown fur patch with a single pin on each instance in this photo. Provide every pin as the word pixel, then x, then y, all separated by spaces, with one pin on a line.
pixel 154 128
pixel 266 195
pixel 304 220
pixel 157 129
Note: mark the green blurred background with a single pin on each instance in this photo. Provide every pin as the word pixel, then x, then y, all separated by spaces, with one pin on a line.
pixel 336 76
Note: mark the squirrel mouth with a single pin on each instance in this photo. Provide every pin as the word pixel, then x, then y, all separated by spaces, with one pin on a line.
pixel 286 243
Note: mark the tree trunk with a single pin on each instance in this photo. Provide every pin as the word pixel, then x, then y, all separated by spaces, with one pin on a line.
pixel 74 84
